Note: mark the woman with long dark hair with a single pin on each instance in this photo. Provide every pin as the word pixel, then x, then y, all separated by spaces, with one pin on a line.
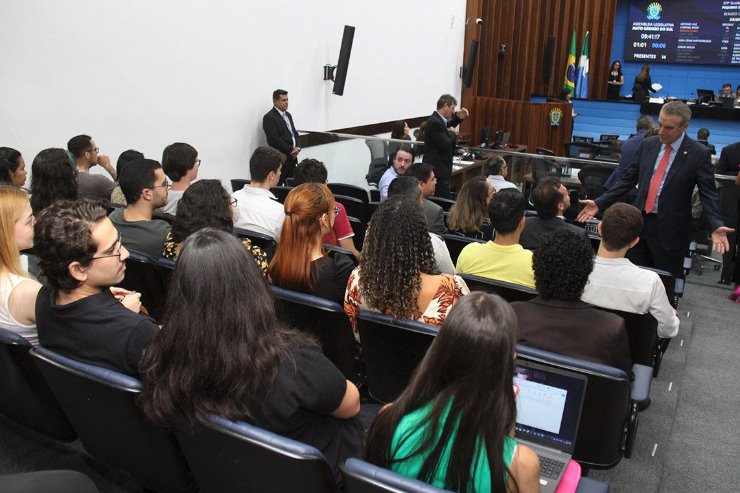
pixel 52 179
pixel 300 262
pixel 206 204
pixel 397 274
pixel 469 214
pixel 14 171
pixel 451 427
pixel 223 351
pixel 615 80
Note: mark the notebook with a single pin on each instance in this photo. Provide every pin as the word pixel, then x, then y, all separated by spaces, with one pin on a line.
pixel 549 403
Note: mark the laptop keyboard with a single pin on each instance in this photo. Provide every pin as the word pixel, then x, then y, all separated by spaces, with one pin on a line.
pixel 550 468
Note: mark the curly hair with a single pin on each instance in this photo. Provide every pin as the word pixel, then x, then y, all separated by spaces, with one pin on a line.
pixel 52 179
pixel 469 210
pixel 62 235
pixel 562 263
pixel 397 250
pixel 205 204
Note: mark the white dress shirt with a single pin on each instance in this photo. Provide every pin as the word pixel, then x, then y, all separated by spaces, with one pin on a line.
pixel 258 210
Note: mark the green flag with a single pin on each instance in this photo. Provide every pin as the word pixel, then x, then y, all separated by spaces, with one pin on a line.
pixel 569 82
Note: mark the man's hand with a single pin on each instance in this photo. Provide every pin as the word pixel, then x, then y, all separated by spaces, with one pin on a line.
pixel 132 302
pixel 463 113
pixel 719 239
pixel 589 211
pixel 104 161
pixel 295 151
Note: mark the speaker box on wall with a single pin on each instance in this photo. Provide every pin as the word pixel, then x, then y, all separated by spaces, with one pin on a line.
pixel 547 60
pixel 344 52
pixel 470 67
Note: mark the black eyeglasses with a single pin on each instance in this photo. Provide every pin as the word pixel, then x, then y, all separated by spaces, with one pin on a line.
pixel 165 184
pixel 336 210
pixel 197 162
pixel 94 149
pixel 233 201
pixel 118 242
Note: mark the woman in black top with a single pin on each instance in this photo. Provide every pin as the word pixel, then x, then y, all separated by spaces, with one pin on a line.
pixel 616 80
pixel 643 85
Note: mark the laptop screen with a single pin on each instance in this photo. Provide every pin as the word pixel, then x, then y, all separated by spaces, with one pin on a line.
pixel 548 404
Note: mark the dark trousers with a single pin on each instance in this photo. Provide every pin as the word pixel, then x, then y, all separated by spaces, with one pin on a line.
pixel 650 253
pixel 443 188
pixel 287 170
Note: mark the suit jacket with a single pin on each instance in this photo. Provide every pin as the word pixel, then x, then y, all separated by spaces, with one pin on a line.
pixel 729 160
pixel 629 149
pixel 574 328
pixel 435 217
pixel 535 228
pixel 277 132
pixel 692 166
pixel 439 144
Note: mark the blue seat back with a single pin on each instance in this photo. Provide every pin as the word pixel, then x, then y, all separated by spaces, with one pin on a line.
pixel 229 455
pixel 349 191
pixel 606 407
pixel 26 398
pixel 100 404
pixel 324 320
pixel 363 477
pixel 391 350
pixel 508 291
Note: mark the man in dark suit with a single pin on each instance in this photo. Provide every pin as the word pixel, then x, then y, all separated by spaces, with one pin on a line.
pixel 281 132
pixel 667 167
pixel 551 200
pixel 729 160
pixel 439 142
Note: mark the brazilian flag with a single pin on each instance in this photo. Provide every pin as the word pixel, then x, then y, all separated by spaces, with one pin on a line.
pixel 569 82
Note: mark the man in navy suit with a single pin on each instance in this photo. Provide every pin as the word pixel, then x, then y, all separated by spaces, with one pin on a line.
pixel 281 132
pixel 439 142
pixel 666 168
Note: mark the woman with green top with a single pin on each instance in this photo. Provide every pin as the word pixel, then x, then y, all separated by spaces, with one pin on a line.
pixel 452 425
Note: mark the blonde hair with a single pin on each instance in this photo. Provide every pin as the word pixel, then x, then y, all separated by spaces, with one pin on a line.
pixel 13 201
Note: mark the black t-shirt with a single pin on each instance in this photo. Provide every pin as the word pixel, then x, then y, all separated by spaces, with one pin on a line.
pixel 330 275
pixel 305 392
pixel 97 329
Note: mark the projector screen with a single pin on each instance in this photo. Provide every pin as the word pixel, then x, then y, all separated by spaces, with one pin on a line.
pixel 702 32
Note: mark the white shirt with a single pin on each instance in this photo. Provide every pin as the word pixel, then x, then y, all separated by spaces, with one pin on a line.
pixel 618 284
pixel 7 284
pixel 442 257
pixel 258 210
pixel 173 197
pixel 499 182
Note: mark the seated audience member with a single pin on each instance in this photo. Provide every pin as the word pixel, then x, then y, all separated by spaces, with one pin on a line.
pixel 550 200
pixel 413 436
pixel 17 290
pixel 400 131
pixel 116 196
pixel 257 208
pixel 6 178
pixel 300 262
pixel 407 188
pixel 424 172
pixel 557 320
pixel 89 185
pixel 496 171
pixel 618 284
pixel 702 136
pixel 396 272
pixel 16 171
pixel 52 179
pixel 726 92
pixel 469 214
pixel 419 135
pixel 401 160
pixel 145 187
pixel 206 204
pixel 314 171
pixel 239 362
pixel 645 125
pixel 180 163
pixel 729 160
pixel 80 315
pixel 503 259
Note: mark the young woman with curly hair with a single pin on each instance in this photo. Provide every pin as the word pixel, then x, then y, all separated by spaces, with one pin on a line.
pixel 52 179
pixel 300 262
pixel 205 204
pixel 396 274
pixel 413 435
pixel 469 214
pixel 223 351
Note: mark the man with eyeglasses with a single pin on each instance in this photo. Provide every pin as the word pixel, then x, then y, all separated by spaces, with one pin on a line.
pixel 496 170
pixel 145 186
pixel 87 155
pixel 424 172
pixel 79 314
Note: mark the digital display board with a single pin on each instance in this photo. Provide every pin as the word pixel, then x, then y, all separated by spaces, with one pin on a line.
pixel 702 32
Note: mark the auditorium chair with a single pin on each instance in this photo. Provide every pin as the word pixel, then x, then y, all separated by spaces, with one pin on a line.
pixel 332 249
pixel 509 291
pixel 349 191
pixel 391 350
pixel 592 178
pixel 363 477
pixel 144 276
pixel 611 406
pixel 354 206
pixel 164 216
pixel 378 160
pixel 239 183
pixel 281 192
pixel 266 242
pixel 359 229
pixel 229 455
pixel 101 405
pixel 24 395
pixel 445 204
pixel 455 243
pixel 52 481
pixel 326 321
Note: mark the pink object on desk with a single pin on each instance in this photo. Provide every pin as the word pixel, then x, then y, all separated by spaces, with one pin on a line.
pixel 571 477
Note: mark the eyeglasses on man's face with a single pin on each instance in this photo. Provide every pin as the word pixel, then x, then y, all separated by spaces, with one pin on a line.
pixel 116 244
pixel 164 184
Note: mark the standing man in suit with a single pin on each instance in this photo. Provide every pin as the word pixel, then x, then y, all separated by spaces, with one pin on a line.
pixel 281 133
pixel 667 167
pixel 439 141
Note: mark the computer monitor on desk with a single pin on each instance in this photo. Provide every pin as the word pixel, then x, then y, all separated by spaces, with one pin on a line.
pixel 704 95
pixel 727 102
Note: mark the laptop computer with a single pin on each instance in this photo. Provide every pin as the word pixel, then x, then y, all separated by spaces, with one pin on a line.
pixel 549 403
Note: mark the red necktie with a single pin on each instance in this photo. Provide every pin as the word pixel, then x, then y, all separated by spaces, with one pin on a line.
pixel 652 194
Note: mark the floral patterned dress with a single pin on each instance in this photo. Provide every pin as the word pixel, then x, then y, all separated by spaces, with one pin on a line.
pixel 451 288
pixel 170 252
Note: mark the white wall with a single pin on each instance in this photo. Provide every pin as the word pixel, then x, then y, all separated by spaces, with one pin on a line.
pixel 145 73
